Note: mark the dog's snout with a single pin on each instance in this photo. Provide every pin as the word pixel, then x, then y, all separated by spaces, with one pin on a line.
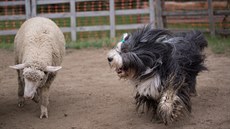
pixel 110 59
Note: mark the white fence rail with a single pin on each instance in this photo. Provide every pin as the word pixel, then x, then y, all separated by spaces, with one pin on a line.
pixel 31 11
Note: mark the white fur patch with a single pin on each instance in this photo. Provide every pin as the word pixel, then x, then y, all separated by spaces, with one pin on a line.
pixel 115 55
pixel 150 87
pixel 171 107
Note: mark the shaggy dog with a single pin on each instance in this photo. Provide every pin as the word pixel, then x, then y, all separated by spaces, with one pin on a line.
pixel 163 67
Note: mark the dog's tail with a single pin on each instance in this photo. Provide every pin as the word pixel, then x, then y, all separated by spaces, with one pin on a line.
pixel 196 37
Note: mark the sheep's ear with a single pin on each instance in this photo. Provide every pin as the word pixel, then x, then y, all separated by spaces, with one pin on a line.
pixel 18 66
pixel 52 68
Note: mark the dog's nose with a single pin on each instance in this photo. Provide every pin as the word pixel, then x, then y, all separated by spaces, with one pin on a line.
pixel 110 59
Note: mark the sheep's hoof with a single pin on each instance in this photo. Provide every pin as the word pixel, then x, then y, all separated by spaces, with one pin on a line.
pixel 21 105
pixel 44 112
pixel 43 115
pixel 21 102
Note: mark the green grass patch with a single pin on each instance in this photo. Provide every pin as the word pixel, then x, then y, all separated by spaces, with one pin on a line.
pixel 8 46
pixel 219 45
pixel 105 42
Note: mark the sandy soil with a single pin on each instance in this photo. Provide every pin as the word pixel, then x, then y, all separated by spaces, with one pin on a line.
pixel 88 95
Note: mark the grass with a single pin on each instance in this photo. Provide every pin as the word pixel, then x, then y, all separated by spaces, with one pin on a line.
pixel 105 42
pixel 219 45
pixel 8 46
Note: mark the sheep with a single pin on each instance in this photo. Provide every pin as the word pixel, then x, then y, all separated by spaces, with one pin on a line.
pixel 39 47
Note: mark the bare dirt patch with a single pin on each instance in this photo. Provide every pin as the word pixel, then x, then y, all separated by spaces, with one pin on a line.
pixel 88 95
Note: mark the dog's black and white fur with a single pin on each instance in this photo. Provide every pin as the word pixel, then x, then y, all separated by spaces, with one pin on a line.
pixel 163 67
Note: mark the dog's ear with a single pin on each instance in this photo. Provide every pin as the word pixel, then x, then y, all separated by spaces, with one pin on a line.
pixel 125 37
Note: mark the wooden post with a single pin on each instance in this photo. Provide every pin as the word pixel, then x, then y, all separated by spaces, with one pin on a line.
pixel 27 7
pixel 33 8
pixel 211 20
pixel 152 13
pixel 73 20
pixel 159 14
pixel 163 17
pixel 112 19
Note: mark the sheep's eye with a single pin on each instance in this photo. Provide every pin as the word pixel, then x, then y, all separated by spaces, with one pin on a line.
pixel 41 79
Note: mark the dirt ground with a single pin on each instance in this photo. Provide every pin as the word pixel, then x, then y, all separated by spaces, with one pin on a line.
pixel 88 95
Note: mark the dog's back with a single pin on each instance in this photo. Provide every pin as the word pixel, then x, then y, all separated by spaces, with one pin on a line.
pixel 196 37
pixel 188 49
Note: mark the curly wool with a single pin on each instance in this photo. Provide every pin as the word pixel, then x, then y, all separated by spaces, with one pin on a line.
pixel 33 74
pixel 39 43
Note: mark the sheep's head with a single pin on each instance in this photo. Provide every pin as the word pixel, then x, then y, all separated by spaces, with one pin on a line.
pixel 34 77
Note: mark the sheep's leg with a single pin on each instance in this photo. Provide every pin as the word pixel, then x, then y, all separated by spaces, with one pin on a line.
pixel 36 96
pixel 44 94
pixel 44 102
pixel 21 99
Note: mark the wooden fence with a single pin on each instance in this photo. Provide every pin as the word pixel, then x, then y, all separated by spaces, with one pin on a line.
pixel 31 11
pixel 161 15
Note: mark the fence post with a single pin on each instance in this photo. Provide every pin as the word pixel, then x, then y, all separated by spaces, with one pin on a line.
pixel 163 17
pixel 27 7
pixel 33 8
pixel 112 19
pixel 73 20
pixel 152 13
pixel 159 14
pixel 211 20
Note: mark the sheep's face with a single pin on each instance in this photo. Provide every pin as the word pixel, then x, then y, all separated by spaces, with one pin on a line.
pixel 34 78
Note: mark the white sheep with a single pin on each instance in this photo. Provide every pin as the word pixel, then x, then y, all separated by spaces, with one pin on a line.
pixel 39 49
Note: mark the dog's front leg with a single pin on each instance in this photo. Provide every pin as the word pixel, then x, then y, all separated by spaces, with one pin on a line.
pixel 174 105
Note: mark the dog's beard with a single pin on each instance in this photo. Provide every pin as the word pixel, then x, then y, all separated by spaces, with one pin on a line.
pixel 117 63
